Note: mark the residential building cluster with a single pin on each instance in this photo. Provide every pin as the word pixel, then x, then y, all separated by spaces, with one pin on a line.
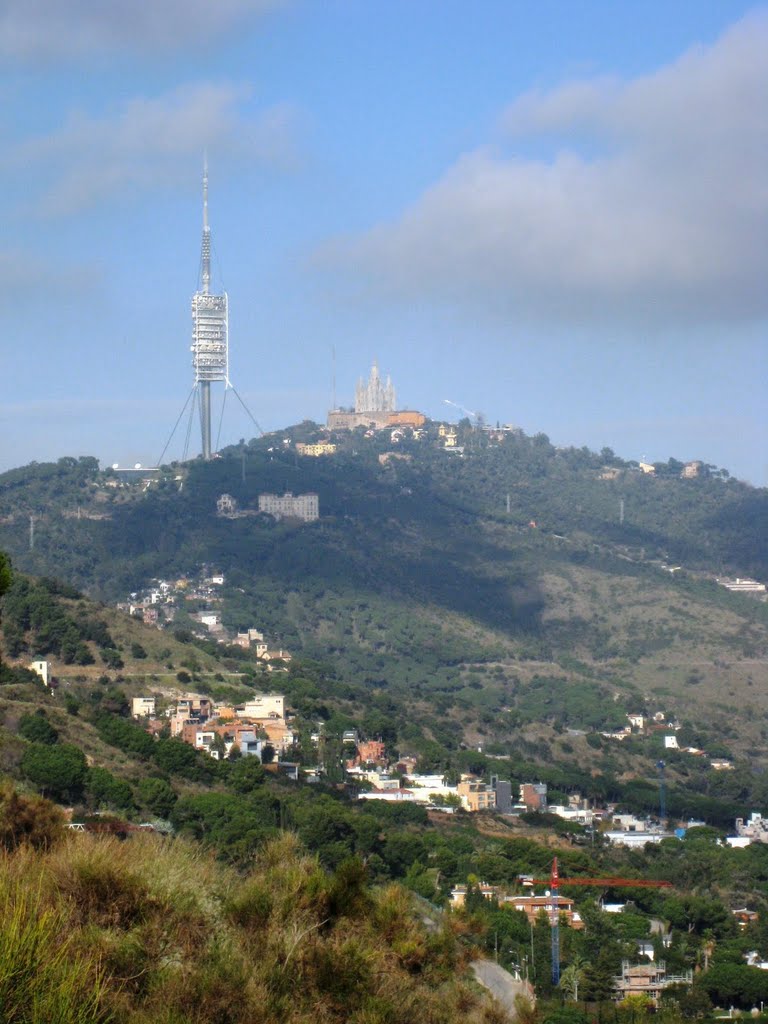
pixel 399 782
pixel 648 977
pixel 753 830
pixel 657 723
pixel 217 729
pixel 470 793
pixel 157 606
pixel 527 904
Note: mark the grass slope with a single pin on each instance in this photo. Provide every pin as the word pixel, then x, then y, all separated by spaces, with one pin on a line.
pixel 96 930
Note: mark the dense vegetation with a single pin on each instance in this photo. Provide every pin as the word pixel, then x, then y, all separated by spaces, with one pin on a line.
pixel 164 930
pixel 523 716
pixel 96 930
pixel 159 930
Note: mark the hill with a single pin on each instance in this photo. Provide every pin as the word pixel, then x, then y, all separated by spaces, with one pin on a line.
pixel 490 596
pixel 137 930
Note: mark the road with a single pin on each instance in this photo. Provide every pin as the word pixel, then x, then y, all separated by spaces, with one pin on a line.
pixel 502 985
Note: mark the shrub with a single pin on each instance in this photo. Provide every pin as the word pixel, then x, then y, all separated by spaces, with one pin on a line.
pixel 37 729
pixel 28 820
pixel 59 771
pixel 158 796
pixel 109 791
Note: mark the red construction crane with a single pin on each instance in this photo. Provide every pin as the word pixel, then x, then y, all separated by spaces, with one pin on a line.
pixel 554 882
pixel 607 883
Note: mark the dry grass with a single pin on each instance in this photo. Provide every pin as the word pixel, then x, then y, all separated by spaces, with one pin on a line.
pixel 153 930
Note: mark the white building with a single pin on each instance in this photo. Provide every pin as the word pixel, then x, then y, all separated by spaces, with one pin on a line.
pixel 426 787
pixel 393 795
pixel 263 705
pixel 291 506
pixel 579 815
pixel 743 586
pixel 755 829
pixel 629 823
pixel 636 840
pixel 43 669
pixel 143 707
pixel 226 506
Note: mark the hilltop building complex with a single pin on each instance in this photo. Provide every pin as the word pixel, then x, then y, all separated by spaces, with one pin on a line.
pixel 375 407
pixel 373 395
pixel 290 506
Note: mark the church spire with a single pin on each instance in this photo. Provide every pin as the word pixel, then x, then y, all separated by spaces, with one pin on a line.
pixel 375 396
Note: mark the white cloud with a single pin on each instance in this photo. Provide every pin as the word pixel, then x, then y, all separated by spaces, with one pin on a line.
pixel 651 203
pixel 35 29
pixel 149 142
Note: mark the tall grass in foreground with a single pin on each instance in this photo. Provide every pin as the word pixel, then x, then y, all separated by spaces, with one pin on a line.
pixel 43 980
pixel 154 931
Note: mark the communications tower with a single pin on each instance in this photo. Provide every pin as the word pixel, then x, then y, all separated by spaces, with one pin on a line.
pixel 210 332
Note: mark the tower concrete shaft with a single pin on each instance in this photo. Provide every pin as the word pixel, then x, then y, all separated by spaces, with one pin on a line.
pixel 205 418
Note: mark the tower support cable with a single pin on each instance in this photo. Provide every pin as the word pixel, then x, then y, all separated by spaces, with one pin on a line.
pixel 175 427
pixel 221 417
pixel 190 421
pixel 248 411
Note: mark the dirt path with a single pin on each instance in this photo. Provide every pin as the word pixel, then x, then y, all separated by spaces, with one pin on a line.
pixel 502 985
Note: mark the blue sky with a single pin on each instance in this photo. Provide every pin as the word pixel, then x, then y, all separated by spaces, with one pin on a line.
pixel 553 213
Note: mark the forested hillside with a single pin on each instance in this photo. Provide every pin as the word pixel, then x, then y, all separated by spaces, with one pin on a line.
pixel 489 590
pixel 328 922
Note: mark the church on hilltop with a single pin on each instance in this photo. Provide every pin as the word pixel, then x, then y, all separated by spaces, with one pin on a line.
pixel 375 407
pixel 374 396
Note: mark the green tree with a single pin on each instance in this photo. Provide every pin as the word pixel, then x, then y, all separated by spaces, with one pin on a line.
pixel 179 758
pixel 572 977
pixel 566 1015
pixel 59 771
pixel 111 658
pixel 157 796
pixel 108 791
pixel 235 825
pixel 692 1001
pixel 37 729
pixel 127 736
pixel 246 775
pixel 6 573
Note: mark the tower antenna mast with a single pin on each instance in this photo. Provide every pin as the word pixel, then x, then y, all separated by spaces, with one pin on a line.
pixel 210 345
pixel 210 331
pixel 205 256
